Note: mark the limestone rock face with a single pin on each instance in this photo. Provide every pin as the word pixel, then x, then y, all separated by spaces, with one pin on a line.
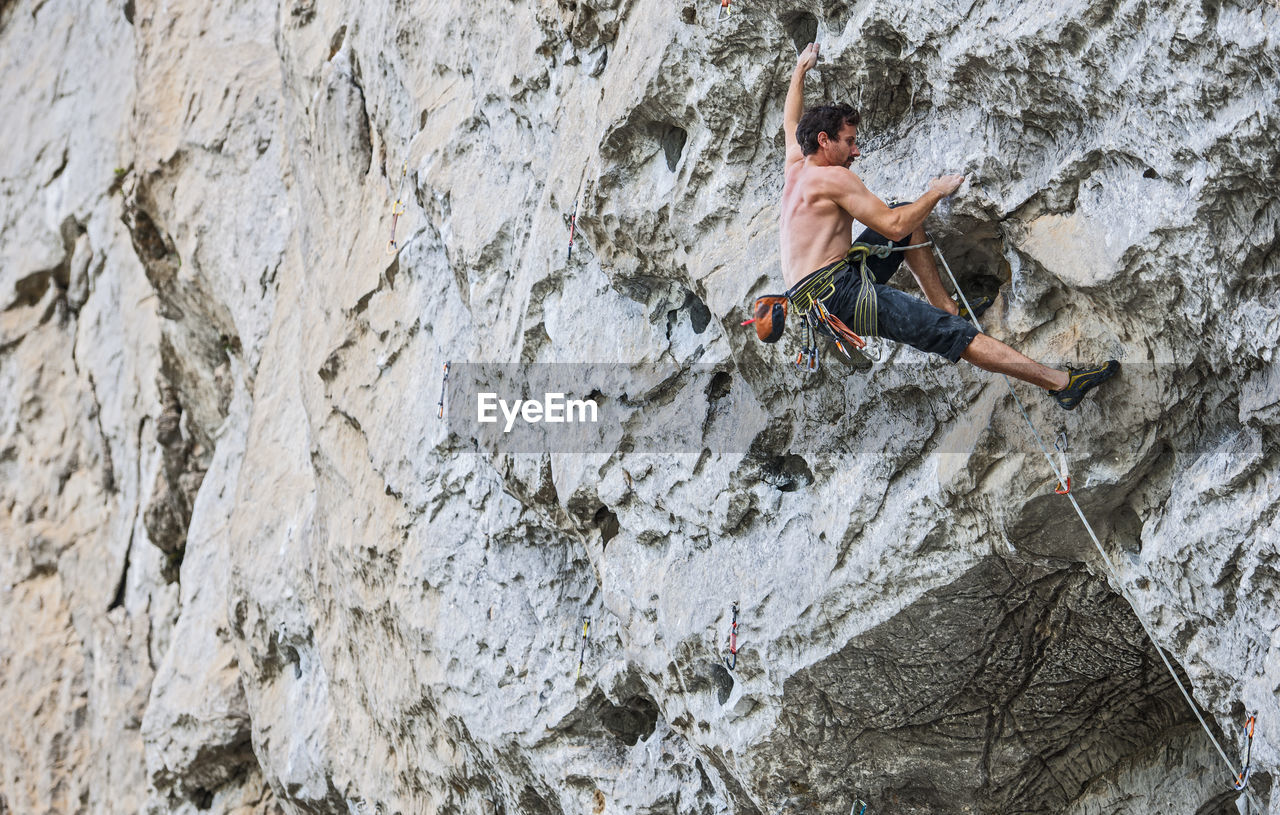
pixel 245 567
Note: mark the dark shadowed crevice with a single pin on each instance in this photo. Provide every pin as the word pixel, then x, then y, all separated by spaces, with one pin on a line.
pixel 723 681
pixel 673 141
pixel 699 314
pixel 336 41
pixel 802 28
pixel 117 599
pixel 786 473
pixel 606 520
pixel 534 803
pixel 633 720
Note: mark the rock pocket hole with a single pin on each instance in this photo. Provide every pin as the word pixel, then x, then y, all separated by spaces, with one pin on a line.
pixel 719 386
pixel 724 683
pixel 787 473
pixel 699 314
pixel 633 720
pixel 606 520
pixel 673 141
pixel 335 42
pixel 802 28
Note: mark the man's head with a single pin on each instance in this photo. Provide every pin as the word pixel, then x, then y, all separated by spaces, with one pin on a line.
pixel 831 130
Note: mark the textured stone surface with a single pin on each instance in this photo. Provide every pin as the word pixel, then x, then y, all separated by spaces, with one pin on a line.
pixel 244 568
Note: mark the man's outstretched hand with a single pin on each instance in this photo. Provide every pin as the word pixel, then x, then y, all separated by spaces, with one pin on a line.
pixel 808 58
pixel 944 185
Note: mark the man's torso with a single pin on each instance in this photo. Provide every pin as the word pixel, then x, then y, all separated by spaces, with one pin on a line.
pixel 814 229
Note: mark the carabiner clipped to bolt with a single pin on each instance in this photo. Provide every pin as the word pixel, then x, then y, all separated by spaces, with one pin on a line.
pixel 582 656
pixel 733 641
pixel 1064 477
pixel 1242 780
pixel 444 384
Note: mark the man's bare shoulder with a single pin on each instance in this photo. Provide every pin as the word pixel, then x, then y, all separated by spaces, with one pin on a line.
pixel 833 180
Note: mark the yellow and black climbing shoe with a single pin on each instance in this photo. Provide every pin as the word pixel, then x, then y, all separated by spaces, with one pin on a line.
pixel 1081 382
pixel 980 306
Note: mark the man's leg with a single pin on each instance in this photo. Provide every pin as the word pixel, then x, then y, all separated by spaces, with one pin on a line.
pixel 992 355
pixel 925 271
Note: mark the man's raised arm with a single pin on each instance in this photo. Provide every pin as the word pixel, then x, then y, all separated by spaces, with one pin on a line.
pixel 794 107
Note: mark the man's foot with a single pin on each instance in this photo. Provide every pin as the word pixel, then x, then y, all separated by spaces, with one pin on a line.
pixel 980 306
pixel 1081 381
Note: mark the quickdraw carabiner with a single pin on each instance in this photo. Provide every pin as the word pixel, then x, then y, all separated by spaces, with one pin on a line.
pixel 573 228
pixel 859 807
pixel 582 656
pixel 1064 477
pixel 443 385
pixel 1242 780
pixel 397 209
pixel 733 641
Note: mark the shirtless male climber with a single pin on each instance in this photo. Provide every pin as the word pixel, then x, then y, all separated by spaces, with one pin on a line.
pixel 820 201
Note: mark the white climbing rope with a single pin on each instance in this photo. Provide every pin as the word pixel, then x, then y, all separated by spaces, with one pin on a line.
pixel 1061 476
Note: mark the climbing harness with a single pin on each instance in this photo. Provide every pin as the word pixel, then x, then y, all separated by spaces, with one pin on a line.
pixel 1064 480
pixel 808 299
pixel 1242 779
pixel 397 208
pixel 1239 779
pixel 724 9
pixel 443 385
pixel 733 641
pixel 859 807
pixel 582 656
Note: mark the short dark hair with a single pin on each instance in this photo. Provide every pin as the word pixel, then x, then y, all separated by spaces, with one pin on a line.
pixel 823 119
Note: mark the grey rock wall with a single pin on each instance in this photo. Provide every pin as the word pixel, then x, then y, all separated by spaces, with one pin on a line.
pixel 244 567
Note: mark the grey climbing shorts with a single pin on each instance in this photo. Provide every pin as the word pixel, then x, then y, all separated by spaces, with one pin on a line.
pixel 904 318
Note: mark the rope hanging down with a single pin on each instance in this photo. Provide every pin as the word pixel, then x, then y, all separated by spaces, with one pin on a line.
pixel 1239 779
